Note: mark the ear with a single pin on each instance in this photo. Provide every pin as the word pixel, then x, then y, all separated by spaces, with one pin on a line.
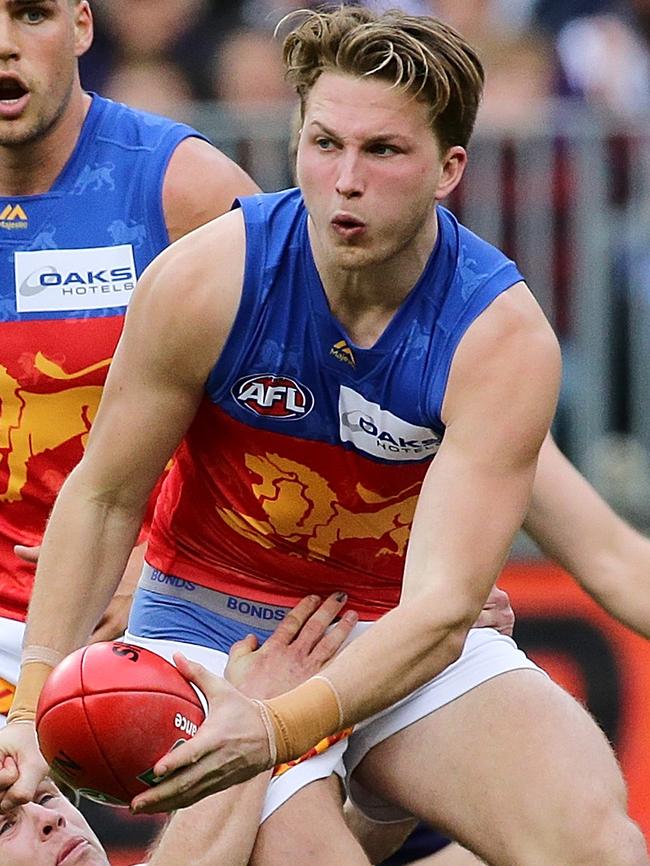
pixel 452 168
pixel 83 28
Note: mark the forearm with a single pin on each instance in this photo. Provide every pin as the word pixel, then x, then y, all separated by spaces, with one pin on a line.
pixel 221 829
pixel 404 650
pixel 83 556
pixel 574 526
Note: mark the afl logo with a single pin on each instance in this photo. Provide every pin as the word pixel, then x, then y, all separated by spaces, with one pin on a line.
pixel 274 397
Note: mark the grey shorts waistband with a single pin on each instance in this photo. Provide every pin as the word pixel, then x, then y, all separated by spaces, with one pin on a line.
pixel 257 613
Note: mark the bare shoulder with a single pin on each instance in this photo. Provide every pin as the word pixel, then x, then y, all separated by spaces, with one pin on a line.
pixel 508 364
pixel 512 335
pixel 200 184
pixel 189 295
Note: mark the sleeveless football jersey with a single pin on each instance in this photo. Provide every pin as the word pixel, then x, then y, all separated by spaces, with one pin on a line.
pixel 302 468
pixel 69 260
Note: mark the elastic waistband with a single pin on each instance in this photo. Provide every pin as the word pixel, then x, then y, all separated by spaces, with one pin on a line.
pixel 256 613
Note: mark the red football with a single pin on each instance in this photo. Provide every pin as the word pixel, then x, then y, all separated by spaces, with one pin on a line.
pixel 108 713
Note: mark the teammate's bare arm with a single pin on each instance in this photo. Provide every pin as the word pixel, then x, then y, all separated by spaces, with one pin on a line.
pixel 574 526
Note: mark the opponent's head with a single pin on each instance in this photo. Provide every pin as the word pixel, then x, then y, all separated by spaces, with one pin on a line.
pixel 40 43
pixel 48 831
pixel 419 55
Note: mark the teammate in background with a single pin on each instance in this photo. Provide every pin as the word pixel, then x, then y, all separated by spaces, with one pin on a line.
pixel 386 325
pixel 90 192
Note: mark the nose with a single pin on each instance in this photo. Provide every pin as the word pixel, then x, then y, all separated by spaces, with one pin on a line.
pixel 49 821
pixel 8 47
pixel 349 183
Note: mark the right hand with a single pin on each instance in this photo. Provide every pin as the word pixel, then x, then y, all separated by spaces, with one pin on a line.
pixel 22 767
pixel 298 648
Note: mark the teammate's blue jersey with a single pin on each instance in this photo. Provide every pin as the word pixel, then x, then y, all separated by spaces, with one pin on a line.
pixel 69 259
pixel 305 461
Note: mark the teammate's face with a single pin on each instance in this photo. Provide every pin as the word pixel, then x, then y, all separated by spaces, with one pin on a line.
pixel 371 171
pixel 40 41
pixel 49 831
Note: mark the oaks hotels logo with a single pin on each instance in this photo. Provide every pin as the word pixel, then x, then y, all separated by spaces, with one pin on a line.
pixel 278 397
pixel 12 216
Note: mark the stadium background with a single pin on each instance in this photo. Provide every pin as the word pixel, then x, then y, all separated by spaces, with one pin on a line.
pixel 559 178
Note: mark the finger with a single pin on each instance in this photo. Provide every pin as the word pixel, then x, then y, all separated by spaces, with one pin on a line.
pixel 21 791
pixel 176 792
pixel 29 554
pixel 328 646
pixel 318 623
pixel 294 621
pixel 243 648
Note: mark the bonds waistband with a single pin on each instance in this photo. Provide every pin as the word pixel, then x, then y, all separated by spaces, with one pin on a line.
pixel 257 613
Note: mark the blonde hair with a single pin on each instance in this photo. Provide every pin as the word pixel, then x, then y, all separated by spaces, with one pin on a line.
pixel 418 54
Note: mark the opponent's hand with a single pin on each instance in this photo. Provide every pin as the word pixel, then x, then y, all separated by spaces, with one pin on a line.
pixel 113 623
pixel 299 647
pixel 232 744
pixel 497 612
pixel 22 767
pixel 29 554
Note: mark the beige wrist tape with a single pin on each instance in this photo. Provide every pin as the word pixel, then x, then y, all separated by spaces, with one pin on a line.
pixel 32 679
pixel 303 717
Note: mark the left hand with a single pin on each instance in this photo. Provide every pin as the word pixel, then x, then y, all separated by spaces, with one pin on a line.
pixel 232 743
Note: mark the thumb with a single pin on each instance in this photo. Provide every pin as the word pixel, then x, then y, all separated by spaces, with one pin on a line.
pixel 243 648
pixel 208 684
pixel 29 554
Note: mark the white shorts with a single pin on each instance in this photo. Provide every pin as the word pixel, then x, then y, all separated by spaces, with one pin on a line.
pixel 11 645
pixel 486 655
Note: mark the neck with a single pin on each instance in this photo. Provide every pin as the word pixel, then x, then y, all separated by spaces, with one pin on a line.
pixel 365 299
pixel 32 168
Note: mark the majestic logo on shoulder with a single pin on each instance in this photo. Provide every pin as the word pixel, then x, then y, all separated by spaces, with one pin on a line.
pixel 381 433
pixel 342 352
pixel 12 216
pixel 274 396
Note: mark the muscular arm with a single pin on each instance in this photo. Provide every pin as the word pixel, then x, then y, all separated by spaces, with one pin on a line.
pixel 172 335
pixel 500 400
pixel 573 525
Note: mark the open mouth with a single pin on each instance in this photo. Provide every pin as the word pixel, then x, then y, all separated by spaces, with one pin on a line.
pixel 11 91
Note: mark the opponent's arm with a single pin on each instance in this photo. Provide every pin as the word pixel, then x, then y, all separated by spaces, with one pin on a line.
pixel 222 828
pixel 500 401
pixel 178 321
pixel 574 525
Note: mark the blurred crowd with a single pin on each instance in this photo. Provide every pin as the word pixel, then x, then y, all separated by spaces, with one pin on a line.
pixel 163 54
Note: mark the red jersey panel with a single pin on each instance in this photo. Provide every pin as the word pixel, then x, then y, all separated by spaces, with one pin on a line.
pixel 281 517
pixel 51 378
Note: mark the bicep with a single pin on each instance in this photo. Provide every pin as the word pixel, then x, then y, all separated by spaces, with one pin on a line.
pixel 177 322
pixel 501 398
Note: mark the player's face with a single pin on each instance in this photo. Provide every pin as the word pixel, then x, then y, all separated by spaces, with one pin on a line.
pixel 49 831
pixel 40 41
pixel 371 171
